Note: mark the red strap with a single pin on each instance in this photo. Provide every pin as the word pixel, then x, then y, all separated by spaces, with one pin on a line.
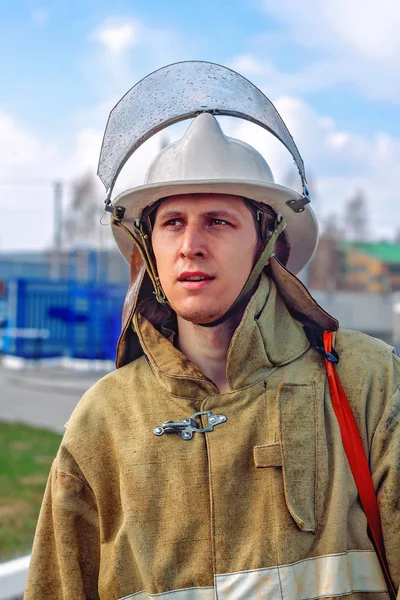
pixel 357 459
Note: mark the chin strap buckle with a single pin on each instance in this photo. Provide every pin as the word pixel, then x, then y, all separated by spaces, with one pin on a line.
pixel 316 340
pixel 117 212
pixel 187 427
pixel 161 299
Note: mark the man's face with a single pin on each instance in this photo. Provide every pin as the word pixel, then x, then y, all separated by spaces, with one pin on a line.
pixel 205 246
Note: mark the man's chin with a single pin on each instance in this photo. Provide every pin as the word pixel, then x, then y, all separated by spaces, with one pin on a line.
pixel 199 316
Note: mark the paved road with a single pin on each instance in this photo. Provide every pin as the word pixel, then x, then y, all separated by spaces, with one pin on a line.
pixel 44 397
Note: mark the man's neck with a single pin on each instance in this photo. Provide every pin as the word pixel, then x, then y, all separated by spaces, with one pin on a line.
pixel 207 347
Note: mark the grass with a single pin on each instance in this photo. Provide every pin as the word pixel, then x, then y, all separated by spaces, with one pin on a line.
pixel 26 455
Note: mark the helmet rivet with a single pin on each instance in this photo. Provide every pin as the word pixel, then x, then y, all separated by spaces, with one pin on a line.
pixel 119 212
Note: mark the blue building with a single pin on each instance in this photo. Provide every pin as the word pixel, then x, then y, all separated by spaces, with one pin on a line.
pixel 61 304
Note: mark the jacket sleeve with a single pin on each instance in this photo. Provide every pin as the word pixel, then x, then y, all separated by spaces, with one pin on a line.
pixel 65 555
pixel 385 467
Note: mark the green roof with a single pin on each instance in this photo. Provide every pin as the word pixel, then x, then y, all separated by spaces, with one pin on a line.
pixel 386 252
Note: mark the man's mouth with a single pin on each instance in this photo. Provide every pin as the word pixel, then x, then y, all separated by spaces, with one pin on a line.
pixel 195 277
pixel 195 281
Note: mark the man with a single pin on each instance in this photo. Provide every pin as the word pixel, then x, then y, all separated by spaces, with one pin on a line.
pixel 210 464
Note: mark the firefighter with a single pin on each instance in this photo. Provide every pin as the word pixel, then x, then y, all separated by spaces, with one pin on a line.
pixel 213 463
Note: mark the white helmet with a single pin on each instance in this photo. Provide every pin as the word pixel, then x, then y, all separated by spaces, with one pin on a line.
pixel 207 161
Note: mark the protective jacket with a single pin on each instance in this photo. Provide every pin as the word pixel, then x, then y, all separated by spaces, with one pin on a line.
pixel 263 506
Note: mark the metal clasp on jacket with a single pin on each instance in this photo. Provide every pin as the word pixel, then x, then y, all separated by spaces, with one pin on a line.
pixel 187 427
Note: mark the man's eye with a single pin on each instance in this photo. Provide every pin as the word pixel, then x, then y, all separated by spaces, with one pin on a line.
pixel 173 223
pixel 218 222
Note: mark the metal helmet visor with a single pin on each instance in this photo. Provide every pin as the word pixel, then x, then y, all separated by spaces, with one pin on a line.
pixel 181 91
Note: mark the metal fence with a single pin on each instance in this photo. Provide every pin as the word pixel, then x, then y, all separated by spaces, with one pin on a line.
pixel 46 318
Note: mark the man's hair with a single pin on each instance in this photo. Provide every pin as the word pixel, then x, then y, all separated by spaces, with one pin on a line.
pixel 266 225
pixel 254 213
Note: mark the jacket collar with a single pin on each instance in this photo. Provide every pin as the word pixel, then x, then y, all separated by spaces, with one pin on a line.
pixel 267 337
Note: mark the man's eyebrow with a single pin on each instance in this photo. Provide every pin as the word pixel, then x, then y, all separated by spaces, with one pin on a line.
pixel 169 214
pixel 222 213
pixel 173 214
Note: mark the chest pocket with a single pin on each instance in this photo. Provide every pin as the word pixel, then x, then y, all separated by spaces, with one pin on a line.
pixel 296 452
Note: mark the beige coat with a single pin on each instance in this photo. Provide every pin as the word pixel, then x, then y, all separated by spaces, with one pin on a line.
pixel 264 506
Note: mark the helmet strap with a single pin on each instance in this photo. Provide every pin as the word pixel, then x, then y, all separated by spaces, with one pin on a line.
pixel 141 240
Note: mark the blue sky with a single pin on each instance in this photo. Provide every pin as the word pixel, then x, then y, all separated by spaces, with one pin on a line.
pixel 332 68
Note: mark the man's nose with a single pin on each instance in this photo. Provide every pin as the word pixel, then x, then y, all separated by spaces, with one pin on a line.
pixel 193 242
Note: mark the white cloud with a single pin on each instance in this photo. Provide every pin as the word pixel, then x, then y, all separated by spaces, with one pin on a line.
pixel 123 50
pixel 39 16
pixel 370 28
pixel 321 74
pixel 117 38
pixel 355 43
pixel 87 149
pixel 26 187
pixel 29 168
pixel 19 149
pixel 246 63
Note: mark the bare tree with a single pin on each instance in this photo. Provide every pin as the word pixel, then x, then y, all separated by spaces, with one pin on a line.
pixel 326 267
pixel 356 217
pixel 81 225
pixel 396 237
